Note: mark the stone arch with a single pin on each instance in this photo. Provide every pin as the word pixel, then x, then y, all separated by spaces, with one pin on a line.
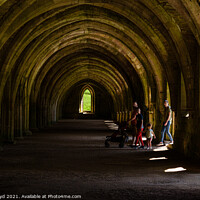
pixel 41 51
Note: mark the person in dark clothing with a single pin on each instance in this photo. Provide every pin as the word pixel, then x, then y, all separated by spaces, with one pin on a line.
pixel 140 128
pixel 133 121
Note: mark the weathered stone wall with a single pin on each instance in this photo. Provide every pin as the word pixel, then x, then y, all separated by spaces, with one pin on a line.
pixel 135 49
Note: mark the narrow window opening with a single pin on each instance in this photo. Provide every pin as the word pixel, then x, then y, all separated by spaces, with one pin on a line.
pixel 87 101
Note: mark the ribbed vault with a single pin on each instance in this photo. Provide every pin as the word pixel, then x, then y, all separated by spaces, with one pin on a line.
pixel 135 50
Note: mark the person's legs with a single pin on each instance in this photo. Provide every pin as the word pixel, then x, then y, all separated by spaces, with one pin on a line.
pixel 140 137
pixel 167 131
pixel 134 132
pixel 150 142
pixel 163 133
pixel 137 139
pixel 147 142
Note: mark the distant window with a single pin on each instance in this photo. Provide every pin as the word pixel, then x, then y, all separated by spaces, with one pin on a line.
pixel 87 101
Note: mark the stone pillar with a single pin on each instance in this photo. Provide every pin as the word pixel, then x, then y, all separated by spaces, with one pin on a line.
pixel 130 115
pixel 26 109
pixel 117 116
pixel 126 116
pixel 18 116
pixel 7 114
pixel 33 112
pixel 120 116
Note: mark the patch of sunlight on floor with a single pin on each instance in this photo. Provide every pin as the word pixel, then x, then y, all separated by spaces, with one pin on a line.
pixel 162 148
pixel 177 169
pixel 159 158
pixel 108 121
pixel 111 125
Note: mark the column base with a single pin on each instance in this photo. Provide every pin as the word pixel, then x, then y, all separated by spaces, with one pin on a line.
pixel 1 148
pixel 35 130
pixel 28 132
pixel 19 138
pixel 10 142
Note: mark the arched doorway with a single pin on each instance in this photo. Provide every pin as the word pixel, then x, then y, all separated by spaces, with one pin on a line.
pixel 87 100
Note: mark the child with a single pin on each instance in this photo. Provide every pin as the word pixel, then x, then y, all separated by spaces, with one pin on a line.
pixel 149 135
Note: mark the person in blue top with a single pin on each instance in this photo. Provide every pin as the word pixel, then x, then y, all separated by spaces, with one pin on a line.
pixel 166 123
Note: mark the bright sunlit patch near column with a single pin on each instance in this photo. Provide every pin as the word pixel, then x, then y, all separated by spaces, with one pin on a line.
pixel 187 115
pixel 177 169
pixel 111 125
pixel 162 148
pixel 109 121
pixel 159 158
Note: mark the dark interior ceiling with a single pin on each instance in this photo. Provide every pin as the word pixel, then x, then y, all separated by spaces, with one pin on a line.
pixel 129 47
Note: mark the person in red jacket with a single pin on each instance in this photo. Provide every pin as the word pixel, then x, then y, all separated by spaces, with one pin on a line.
pixel 140 128
pixel 134 122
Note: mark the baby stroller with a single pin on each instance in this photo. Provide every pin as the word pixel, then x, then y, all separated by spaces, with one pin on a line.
pixel 119 136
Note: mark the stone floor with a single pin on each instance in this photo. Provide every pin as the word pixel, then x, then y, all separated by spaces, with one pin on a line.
pixel 70 159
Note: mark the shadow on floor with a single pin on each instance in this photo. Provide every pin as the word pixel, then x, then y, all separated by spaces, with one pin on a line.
pixel 70 159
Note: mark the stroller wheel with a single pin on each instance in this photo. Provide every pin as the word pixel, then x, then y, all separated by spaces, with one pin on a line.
pixel 107 145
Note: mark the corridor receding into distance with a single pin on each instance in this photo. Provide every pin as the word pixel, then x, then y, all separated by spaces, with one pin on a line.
pixel 70 158
pixel 80 79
